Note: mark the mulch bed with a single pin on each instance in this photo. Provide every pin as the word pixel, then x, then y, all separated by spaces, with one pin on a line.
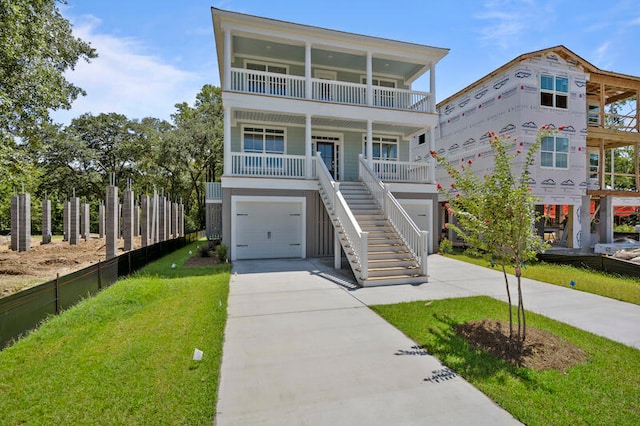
pixel 199 261
pixel 542 350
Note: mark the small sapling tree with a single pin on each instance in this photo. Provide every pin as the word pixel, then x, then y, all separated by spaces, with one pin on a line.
pixel 495 213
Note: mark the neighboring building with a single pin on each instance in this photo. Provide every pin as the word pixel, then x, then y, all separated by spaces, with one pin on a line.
pixel 553 87
pixel 291 91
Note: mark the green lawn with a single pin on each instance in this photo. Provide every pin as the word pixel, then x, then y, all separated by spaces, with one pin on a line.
pixel 603 391
pixel 124 356
pixel 625 289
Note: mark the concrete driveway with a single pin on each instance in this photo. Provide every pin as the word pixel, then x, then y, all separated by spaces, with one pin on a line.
pixel 301 347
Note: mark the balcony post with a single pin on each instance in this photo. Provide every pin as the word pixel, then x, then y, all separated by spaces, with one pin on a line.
pixel 307 146
pixel 432 88
pixel 369 144
pixel 227 141
pixel 227 60
pixel 369 79
pixel 307 71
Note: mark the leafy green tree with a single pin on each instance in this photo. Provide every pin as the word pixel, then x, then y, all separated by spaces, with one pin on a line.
pixel 495 213
pixel 105 145
pixel 37 48
pixel 193 153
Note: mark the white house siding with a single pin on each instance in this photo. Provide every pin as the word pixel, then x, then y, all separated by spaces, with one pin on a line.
pixel 510 104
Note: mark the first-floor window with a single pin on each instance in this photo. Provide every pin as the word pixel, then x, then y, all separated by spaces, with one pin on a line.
pixel 263 140
pixel 554 152
pixel 384 148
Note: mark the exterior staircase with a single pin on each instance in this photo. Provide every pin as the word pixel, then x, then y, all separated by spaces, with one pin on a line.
pixel 389 260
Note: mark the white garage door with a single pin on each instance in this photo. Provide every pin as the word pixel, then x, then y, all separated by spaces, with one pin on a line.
pixel 268 229
pixel 422 214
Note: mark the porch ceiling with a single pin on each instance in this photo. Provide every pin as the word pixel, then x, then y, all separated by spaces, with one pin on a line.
pixel 612 93
pixel 331 59
pixel 326 123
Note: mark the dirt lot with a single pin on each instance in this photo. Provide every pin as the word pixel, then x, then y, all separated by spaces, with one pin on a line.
pixel 43 262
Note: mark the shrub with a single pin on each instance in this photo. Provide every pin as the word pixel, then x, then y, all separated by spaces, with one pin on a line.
pixel 221 252
pixel 203 251
pixel 446 246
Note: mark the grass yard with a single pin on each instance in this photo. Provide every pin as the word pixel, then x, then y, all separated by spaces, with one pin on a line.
pixel 124 356
pixel 620 288
pixel 605 390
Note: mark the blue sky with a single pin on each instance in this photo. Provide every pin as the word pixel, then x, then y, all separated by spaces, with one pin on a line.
pixel 154 54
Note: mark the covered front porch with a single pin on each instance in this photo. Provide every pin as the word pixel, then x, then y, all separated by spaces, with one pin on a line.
pixel 261 144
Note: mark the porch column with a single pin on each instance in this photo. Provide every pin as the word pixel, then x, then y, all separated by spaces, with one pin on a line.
pixel 369 79
pixel 307 71
pixel 585 225
pixel 606 219
pixel 227 61
pixel 430 160
pixel 227 141
pixel 601 161
pixel 337 250
pixel 307 146
pixel 369 145
pixel 432 88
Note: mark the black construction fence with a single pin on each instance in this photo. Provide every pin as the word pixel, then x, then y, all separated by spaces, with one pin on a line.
pixel 596 262
pixel 23 311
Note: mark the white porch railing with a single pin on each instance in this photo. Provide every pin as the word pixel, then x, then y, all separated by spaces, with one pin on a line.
pixel 414 238
pixel 401 99
pixel 268 165
pixel 401 171
pixel 214 191
pixel 289 86
pixel 357 238
pixel 342 92
pixel 339 92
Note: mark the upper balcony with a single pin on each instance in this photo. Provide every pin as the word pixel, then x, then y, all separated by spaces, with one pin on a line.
pixel 612 110
pixel 342 92
pixel 282 59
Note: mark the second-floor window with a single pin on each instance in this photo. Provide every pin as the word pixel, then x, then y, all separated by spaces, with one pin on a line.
pixel 263 140
pixel 554 91
pixel 554 152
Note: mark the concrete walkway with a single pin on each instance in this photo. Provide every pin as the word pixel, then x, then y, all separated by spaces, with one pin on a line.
pixel 301 347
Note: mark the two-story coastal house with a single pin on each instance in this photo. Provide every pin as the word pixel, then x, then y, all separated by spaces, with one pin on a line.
pixel 552 87
pixel 317 152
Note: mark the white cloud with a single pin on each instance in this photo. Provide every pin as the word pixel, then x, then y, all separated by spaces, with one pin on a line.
pixel 125 80
pixel 602 56
pixel 504 21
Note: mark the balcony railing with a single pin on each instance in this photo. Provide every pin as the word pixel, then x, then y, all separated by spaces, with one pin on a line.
pixel 214 192
pixel 401 171
pixel 268 165
pixel 267 83
pixel 342 92
pixel 622 123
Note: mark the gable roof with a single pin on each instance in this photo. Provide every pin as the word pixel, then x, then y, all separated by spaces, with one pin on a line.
pixel 561 51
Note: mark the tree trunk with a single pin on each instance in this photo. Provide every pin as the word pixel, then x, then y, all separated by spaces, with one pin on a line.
pixel 521 307
pixel 506 282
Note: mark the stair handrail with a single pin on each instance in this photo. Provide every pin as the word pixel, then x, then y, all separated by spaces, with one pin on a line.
pixel 416 240
pixel 357 238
